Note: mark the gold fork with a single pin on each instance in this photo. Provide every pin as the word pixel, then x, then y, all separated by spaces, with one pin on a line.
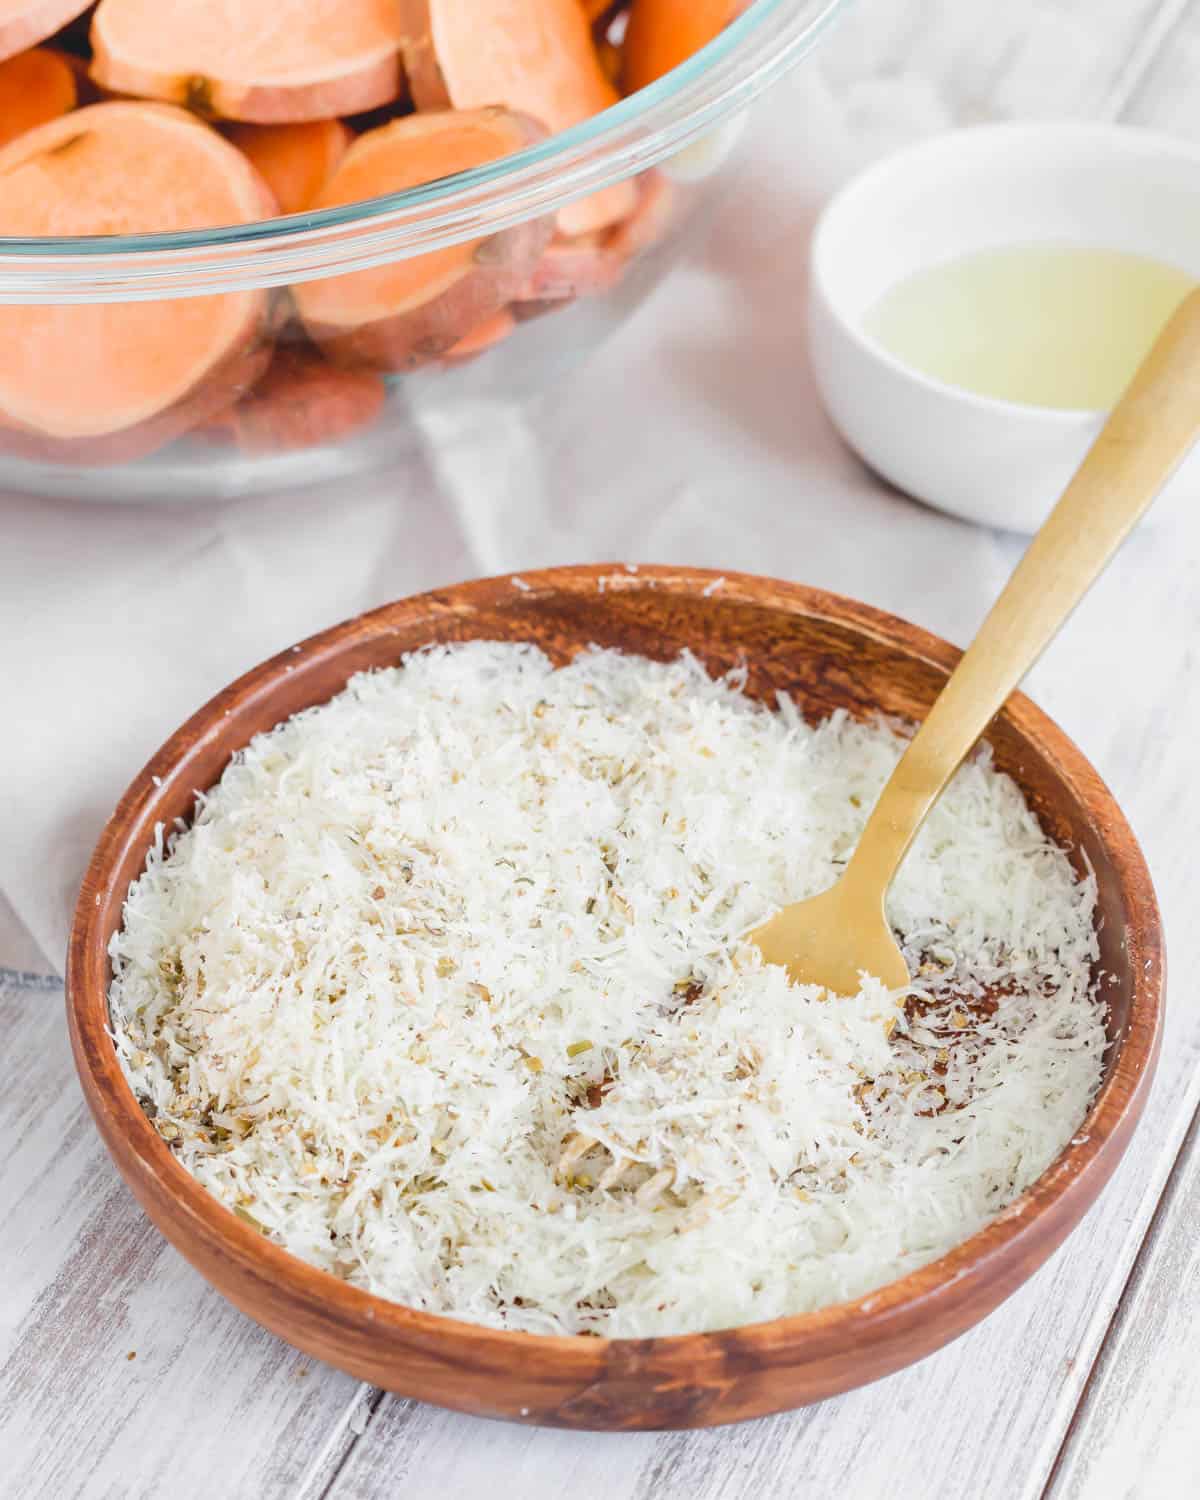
pixel 831 939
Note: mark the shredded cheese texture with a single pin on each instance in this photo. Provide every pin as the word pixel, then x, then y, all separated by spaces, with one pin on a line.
pixel 446 990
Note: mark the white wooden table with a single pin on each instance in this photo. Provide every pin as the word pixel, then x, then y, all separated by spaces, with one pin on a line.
pixel 123 1375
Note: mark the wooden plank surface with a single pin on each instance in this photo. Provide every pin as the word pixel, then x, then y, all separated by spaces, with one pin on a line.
pixel 1078 1389
pixel 1137 1430
pixel 209 1404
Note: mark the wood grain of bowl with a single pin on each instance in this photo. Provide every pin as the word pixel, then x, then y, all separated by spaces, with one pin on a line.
pixel 830 653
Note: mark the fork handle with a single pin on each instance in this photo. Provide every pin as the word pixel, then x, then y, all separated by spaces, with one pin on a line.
pixel 1147 435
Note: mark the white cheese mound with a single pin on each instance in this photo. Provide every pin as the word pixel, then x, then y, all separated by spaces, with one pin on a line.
pixel 421 939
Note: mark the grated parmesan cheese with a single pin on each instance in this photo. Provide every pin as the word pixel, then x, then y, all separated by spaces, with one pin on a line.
pixel 444 990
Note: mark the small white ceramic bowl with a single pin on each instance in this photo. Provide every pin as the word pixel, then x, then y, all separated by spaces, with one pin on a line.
pixel 995 462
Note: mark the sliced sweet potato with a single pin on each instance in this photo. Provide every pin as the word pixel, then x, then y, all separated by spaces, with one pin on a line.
pixel 651 220
pixel 582 267
pixel 398 316
pixel 591 264
pixel 265 61
pixel 86 91
pixel 24 23
pixel 231 377
pixel 302 402
pixel 535 56
pixel 295 160
pixel 608 55
pixel 372 119
pixel 35 86
pixel 97 383
pixel 601 14
pixel 487 335
pixel 664 33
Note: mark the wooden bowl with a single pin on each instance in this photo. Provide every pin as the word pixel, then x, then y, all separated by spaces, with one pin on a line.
pixel 830 653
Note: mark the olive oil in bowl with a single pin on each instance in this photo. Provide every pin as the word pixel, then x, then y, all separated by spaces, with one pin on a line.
pixel 1044 325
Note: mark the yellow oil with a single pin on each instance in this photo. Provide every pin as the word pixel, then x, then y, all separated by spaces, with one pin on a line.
pixel 1046 325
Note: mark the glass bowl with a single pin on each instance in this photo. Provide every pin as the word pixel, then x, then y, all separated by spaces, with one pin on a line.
pixel 675 138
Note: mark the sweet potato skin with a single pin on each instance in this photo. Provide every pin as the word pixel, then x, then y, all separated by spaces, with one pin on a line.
pixel 259 104
pixel 589 265
pixel 416 336
pixel 301 402
pixel 572 268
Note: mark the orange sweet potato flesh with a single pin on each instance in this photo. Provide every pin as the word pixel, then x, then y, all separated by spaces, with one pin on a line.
pixel 296 161
pixel 35 87
pixel 104 383
pixel 302 402
pixel 533 56
pixel 86 91
pixel 664 33
pixel 400 315
pixel 264 61
pixel 24 23
pixel 485 336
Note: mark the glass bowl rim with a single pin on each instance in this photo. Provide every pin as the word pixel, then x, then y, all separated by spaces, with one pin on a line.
pixel 765 41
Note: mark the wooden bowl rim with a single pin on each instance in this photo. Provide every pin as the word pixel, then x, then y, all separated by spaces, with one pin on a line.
pixel 931 1290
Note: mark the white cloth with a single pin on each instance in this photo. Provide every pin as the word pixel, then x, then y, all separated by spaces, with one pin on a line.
pixel 694 436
